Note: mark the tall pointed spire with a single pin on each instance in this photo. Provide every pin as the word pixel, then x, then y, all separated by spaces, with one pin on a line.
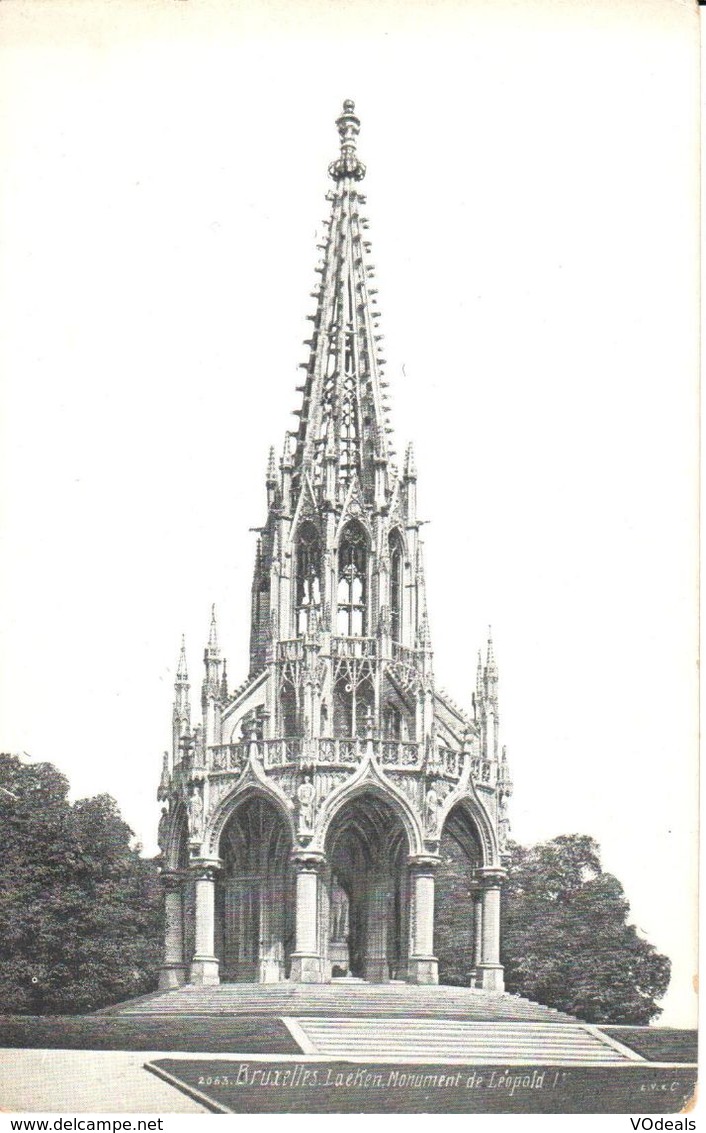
pixel 182 672
pixel 490 666
pixel 343 419
pixel 211 684
pixel 181 712
pixel 213 633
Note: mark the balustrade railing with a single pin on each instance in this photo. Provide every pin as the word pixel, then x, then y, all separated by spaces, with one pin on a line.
pixel 228 757
pixel 398 753
pixel 450 761
pixel 353 647
pixel 292 650
pixel 391 753
pixel 483 771
pixel 343 752
pixel 403 653
pixel 279 753
pixel 272 753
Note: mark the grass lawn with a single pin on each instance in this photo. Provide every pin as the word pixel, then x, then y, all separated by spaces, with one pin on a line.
pixel 242 1034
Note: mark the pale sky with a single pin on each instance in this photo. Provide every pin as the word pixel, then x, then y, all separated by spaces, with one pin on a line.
pixel 532 194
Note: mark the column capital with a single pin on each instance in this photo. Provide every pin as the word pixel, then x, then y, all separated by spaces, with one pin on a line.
pixel 173 879
pixel 206 869
pixel 490 876
pixel 423 863
pixel 307 861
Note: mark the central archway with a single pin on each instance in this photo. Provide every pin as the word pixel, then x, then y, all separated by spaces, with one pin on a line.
pixel 255 895
pixel 366 891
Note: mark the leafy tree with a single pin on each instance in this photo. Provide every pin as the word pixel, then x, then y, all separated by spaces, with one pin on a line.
pixel 80 913
pixel 565 938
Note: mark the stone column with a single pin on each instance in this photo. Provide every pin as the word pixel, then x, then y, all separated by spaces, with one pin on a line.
pixel 423 966
pixel 172 973
pixel 490 969
pixel 204 966
pixel 307 963
pixel 477 936
pixel 377 969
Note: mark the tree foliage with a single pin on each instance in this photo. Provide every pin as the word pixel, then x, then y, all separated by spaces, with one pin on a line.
pixel 565 937
pixel 80 910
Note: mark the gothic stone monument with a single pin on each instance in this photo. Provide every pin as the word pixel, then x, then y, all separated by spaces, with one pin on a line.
pixel 308 815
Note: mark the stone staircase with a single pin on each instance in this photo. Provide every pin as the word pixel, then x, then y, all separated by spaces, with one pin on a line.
pixel 493 1043
pixel 343 999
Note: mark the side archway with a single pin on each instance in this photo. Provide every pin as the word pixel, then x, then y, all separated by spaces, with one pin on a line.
pixel 252 782
pixel 255 893
pixel 457 913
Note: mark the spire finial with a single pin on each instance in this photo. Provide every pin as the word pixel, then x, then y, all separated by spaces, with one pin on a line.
pixel 287 451
pixel 348 164
pixel 490 665
pixel 271 468
pixel 213 634
pixel 410 470
pixel 182 674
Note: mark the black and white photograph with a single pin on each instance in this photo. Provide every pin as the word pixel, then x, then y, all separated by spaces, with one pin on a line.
pixel 349 473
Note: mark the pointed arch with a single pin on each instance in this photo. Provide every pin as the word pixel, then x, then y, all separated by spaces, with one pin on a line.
pixel 249 784
pixel 368 779
pixel 457 921
pixel 367 848
pixel 475 812
pixel 396 552
pixel 307 573
pixel 254 913
pixel 178 852
pixel 353 584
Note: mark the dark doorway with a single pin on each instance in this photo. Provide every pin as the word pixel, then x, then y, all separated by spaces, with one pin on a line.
pixel 367 850
pixel 454 905
pixel 255 898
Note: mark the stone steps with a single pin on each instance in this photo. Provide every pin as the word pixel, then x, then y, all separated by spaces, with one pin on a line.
pixel 362 999
pixel 468 1042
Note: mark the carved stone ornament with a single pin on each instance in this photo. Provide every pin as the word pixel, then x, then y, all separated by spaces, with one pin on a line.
pixel 196 813
pixel 163 829
pixel 406 676
pixel 286 780
pixel 411 788
pixel 219 788
pixel 308 861
pixel 205 871
pixel 327 782
pixel 306 794
pixel 432 805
